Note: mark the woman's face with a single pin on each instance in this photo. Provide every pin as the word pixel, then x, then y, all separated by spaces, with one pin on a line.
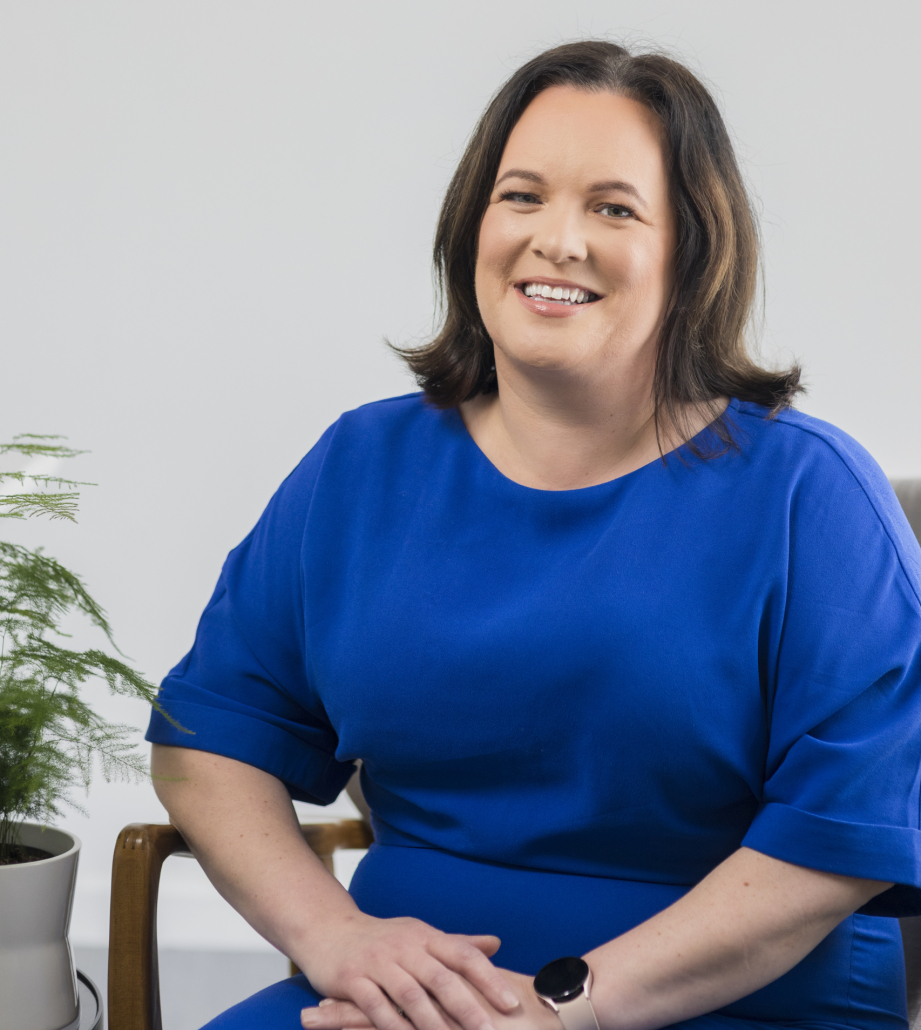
pixel 580 204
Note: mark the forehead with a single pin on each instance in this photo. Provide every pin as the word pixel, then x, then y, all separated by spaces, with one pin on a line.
pixel 566 133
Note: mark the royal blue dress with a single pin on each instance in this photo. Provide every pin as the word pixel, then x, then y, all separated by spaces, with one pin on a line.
pixel 572 705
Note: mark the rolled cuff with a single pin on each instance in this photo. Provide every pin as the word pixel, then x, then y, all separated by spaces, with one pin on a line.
pixel 309 773
pixel 863 850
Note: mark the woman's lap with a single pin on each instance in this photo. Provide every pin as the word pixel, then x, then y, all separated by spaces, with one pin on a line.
pixel 277 1007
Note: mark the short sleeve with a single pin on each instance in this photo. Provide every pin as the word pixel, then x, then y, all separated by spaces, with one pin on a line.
pixel 243 691
pixel 843 690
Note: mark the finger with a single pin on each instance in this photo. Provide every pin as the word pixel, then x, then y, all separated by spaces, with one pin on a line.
pixel 456 953
pixel 410 991
pixel 488 943
pixel 452 1023
pixel 452 993
pixel 332 1014
pixel 377 1006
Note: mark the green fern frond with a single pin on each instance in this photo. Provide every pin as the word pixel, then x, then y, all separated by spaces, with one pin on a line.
pixel 50 738
pixel 22 444
pixel 38 590
pixel 40 477
pixel 24 506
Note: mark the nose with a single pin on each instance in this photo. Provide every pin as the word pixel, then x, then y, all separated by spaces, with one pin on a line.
pixel 559 235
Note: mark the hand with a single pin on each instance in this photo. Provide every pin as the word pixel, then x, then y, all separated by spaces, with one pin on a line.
pixel 440 981
pixel 529 1014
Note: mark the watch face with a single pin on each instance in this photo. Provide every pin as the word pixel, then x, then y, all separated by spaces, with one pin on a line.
pixel 562 979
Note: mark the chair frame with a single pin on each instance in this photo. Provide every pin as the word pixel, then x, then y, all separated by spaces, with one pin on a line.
pixel 141 850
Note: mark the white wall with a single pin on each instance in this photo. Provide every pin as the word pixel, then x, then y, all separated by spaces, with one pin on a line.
pixel 212 211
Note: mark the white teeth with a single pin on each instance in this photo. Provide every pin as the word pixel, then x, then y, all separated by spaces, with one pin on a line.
pixel 557 293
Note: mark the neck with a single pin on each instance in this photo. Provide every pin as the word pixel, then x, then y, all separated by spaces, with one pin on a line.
pixel 554 431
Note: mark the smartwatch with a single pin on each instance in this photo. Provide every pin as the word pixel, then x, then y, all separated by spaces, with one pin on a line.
pixel 564 985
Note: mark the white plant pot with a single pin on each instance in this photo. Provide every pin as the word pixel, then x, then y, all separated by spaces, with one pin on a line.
pixel 38 988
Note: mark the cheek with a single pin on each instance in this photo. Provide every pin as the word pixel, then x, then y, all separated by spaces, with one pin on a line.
pixel 497 248
pixel 644 267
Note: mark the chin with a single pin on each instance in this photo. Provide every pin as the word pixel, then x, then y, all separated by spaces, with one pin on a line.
pixel 543 359
pixel 544 351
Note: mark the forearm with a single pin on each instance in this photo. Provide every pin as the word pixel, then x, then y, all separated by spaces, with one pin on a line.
pixel 241 825
pixel 747 923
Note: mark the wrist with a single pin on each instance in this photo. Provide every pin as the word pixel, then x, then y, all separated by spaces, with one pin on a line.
pixel 319 927
pixel 612 999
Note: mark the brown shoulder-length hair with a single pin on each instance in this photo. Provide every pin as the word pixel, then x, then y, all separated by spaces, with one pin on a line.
pixel 702 352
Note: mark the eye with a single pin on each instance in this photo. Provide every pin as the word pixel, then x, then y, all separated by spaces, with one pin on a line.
pixel 617 211
pixel 519 198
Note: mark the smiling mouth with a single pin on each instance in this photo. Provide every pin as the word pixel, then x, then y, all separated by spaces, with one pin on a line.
pixel 557 294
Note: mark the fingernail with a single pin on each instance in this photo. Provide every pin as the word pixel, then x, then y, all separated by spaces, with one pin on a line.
pixel 326 1001
pixel 510 999
pixel 309 1015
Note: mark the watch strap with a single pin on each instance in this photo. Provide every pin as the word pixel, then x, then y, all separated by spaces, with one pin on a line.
pixel 577 1013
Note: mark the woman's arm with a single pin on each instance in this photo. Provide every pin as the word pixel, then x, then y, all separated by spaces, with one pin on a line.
pixel 241 825
pixel 747 923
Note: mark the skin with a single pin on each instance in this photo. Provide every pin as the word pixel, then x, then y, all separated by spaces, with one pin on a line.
pixel 573 409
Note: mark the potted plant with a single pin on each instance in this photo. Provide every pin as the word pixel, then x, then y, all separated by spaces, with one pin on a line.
pixel 50 741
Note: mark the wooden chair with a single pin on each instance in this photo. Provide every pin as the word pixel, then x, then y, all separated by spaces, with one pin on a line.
pixel 134 977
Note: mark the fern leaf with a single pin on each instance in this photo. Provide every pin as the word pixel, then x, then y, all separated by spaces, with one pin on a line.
pixel 32 445
pixel 57 506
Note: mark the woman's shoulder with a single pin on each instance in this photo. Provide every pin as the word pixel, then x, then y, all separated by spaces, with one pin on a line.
pixel 795 444
pixel 813 439
pixel 392 415
pixel 818 466
pixel 394 432
pixel 365 454
pixel 380 439
pixel 377 424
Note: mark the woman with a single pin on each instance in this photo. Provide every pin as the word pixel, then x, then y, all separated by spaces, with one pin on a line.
pixel 628 648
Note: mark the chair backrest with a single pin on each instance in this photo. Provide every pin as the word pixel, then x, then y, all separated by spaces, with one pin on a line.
pixel 353 789
pixel 908 492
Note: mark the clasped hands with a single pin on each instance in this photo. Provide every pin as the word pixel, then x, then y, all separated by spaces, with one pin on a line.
pixel 372 970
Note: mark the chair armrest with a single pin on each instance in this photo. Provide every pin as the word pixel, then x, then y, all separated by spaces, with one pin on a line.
pixel 325 838
pixel 134 975
pixel 141 849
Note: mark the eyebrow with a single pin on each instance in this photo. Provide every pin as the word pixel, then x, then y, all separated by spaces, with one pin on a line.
pixel 596 187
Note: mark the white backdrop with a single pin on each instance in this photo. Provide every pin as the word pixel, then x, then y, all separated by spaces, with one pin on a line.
pixel 212 212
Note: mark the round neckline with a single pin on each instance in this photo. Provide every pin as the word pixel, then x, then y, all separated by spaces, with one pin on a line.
pixel 581 490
